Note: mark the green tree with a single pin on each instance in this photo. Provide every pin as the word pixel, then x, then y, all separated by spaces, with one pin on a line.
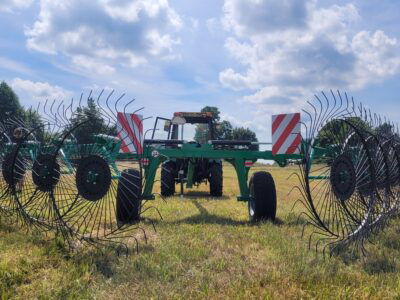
pixel 202 134
pixel 328 135
pixel 87 121
pixel 9 103
pixel 385 130
pixel 33 122
pixel 245 134
pixel 215 112
pixel 224 130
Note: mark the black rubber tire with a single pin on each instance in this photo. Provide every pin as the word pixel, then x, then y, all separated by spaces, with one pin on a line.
pixel 168 179
pixel 129 197
pixel 216 180
pixel 262 205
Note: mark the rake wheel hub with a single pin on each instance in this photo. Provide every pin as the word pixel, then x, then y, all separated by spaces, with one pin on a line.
pixel 12 166
pixel 45 172
pixel 343 177
pixel 93 177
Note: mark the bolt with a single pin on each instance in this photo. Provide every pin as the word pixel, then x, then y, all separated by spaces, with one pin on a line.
pixel 92 177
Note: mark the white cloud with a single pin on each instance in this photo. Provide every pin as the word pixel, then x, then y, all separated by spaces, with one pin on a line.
pixel 290 49
pixel 14 66
pixel 10 5
pixel 31 92
pixel 235 81
pixel 99 35
pixel 257 16
pixel 378 56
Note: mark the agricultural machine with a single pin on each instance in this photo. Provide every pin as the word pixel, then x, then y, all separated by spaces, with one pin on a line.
pixel 192 163
pixel 95 189
pixel 194 170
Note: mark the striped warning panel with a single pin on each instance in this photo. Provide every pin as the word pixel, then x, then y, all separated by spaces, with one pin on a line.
pixel 248 163
pixel 286 135
pixel 130 132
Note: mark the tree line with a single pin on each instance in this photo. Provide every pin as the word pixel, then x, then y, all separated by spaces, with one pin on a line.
pixel 90 122
pixel 329 133
pixel 85 122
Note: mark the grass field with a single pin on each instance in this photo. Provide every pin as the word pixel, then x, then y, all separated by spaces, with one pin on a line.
pixel 203 248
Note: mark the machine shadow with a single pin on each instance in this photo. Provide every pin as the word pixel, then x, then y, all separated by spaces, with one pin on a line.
pixel 204 217
pixel 194 195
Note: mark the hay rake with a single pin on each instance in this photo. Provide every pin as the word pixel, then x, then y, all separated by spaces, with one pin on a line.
pixel 350 172
pixel 93 188
pixel 6 148
pixel 81 187
pixel 12 130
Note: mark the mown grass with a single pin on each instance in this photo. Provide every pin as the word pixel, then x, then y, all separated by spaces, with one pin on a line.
pixel 203 248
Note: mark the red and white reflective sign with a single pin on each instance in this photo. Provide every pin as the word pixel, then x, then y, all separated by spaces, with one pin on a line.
pixel 248 163
pixel 145 161
pixel 286 134
pixel 130 132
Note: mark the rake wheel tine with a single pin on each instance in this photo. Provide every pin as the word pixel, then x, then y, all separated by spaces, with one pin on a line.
pixel 58 110
pixel 129 103
pixel 318 243
pixel 69 107
pixel 155 208
pixel 81 99
pixel 144 234
pixel 304 203
pixel 51 110
pixel 98 98
pixel 116 105
pixel 310 238
pixel 164 199
pixel 111 115
pixel 148 130
pixel 138 110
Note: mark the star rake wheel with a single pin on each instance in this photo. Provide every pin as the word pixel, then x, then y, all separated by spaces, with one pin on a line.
pixel 384 194
pixel 393 176
pixel 338 176
pixel 380 138
pixel 84 195
pixel 394 158
pixel 37 172
pixel 63 173
pixel 7 202
pixel 387 160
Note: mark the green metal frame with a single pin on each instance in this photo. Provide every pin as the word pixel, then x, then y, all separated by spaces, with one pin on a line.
pixel 157 155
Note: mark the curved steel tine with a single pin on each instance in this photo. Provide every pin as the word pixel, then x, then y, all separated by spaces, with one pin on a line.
pixel 127 105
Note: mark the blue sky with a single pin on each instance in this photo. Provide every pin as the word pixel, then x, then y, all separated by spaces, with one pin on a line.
pixel 251 58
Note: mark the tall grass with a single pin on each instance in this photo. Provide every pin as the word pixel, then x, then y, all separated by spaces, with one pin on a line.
pixel 203 248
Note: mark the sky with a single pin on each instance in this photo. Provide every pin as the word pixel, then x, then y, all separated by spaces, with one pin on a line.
pixel 250 58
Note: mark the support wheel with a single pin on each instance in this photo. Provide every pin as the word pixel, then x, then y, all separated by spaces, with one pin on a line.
pixel 262 205
pixel 168 179
pixel 216 180
pixel 129 200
